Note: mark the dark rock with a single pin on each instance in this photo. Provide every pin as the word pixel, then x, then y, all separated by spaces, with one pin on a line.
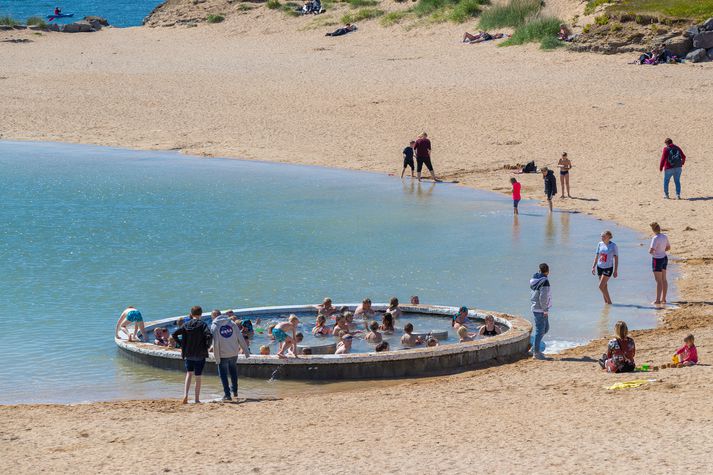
pixel 703 40
pixel 5 27
pixel 20 27
pixel 707 25
pixel 697 55
pixel 53 27
pixel 37 27
pixel 679 46
pixel 96 19
pixel 710 54
pixel 691 32
pixel 77 27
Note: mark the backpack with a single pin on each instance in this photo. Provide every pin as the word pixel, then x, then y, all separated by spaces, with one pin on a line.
pixel 674 157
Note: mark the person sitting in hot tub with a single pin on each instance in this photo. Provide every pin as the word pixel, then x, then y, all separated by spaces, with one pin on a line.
pixel 460 318
pixel 160 336
pixel 326 308
pixel 349 319
pixel 341 325
pixel 364 310
pixel 246 327
pixel 489 329
pixel 464 335
pixel 345 344
pixel 373 336
pixel 320 327
pixel 394 309
pixel 409 339
pixel 387 323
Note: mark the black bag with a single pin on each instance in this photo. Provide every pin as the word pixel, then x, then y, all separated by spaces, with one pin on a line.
pixel 529 168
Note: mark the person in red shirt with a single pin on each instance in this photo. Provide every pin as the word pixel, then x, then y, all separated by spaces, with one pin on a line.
pixel 688 352
pixel 672 161
pixel 516 186
pixel 423 156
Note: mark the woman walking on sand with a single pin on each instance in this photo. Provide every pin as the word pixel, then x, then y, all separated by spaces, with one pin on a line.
pixel 659 262
pixel 606 263
pixel 565 165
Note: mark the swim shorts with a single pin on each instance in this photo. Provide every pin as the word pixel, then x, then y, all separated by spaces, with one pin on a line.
pixel 134 316
pixel 408 162
pixel 279 335
pixel 195 366
pixel 421 161
pixel 659 265
pixel 605 271
pixel 515 203
pixel 564 172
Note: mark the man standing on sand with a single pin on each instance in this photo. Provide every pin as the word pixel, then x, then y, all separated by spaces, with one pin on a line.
pixel 671 164
pixel 423 155
pixel 195 339
pixel 541 302
pixel 550 185
pixel 227 342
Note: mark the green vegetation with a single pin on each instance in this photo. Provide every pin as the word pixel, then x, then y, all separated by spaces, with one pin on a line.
pixel 273 4
pixel 362 3
pixel 593 4
pixel 514 14
pixel 694 9
pixel 290 8
pixel 215 18
pixel 457 11
pixel 393 18
pixel 465 10
pixel 617 27
pixel 8 21
pixel 538 30
pixel 601 20
pixel 362 14
pixel 36 21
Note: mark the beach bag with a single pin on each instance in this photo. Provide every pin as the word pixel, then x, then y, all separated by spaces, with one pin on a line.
pixel 674 157
pixel 529 168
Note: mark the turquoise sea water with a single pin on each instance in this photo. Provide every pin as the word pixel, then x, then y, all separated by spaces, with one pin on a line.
pixel 89 230
pixel 119 12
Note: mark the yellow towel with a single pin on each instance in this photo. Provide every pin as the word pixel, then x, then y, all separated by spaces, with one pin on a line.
pixel 630 384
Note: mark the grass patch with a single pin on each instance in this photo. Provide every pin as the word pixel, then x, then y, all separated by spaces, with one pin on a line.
pixel 457 11
pixel 363 14
pixel 215 18
pixel 245 7
pixel 465 10
pixel 601 20
pixel 36 21
pixel 539 30
pixel 290 8
pixel 362 3
pixel 694 9
pixel 393 18
pixel 514 14
pixel 273 4
pixel 593 4
pixel 8 21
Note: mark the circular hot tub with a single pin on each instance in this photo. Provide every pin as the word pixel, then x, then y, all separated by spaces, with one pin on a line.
pixel 449 356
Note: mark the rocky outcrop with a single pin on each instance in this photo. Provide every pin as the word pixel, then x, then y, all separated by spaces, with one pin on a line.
pixel 697 55
pixel 88 25
pixel 703 40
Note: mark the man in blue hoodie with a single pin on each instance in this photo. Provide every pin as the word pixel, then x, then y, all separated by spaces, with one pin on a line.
pixel 195 339
pixel 541 302
pixel 227 342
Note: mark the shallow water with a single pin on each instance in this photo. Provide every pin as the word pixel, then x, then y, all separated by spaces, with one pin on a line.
pixel 118 12
pixel 89 230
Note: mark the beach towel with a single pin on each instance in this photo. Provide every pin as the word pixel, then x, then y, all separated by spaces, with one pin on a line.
pixel 630 384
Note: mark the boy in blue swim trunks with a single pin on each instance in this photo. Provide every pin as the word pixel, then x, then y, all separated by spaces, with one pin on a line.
pixel 285 335
pixel 128 316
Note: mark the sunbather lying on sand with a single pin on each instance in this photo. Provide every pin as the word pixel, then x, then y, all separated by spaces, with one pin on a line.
pixel 348 28
pixel 481 37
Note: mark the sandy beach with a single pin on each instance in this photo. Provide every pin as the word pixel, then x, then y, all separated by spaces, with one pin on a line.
pixel 266 87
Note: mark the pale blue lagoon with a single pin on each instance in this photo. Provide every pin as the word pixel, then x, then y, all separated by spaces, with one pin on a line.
pixel 89 230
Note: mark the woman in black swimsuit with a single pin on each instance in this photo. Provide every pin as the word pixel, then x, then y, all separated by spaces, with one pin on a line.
pixel 565 165
pixel 489 329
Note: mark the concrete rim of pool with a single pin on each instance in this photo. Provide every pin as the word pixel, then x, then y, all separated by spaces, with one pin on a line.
pixel 509 346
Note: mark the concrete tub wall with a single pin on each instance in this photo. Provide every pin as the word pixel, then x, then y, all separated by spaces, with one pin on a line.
pixel 507 347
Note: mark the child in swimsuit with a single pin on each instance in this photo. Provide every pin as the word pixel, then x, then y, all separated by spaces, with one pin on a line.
pixel 264 350
pixel 394 309
pixel 160 336
pixel 373 336
pixel 341 325
pixel 345 344
pixel 285 334
pixel 409 339
pixel 460 318
pixel 320 327
pixel 489 329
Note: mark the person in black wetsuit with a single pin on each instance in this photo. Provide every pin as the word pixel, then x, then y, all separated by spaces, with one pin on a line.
pixel 348 28
pixel 408 158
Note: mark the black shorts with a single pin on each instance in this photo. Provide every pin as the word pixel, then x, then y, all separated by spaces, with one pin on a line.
pixel 658 265
pixel 607 272
pixel 515 203
pixel 195 366
pixel 408 162
pixel 421 161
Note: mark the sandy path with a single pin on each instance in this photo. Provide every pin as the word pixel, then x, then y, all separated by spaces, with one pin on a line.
pixel 245 90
